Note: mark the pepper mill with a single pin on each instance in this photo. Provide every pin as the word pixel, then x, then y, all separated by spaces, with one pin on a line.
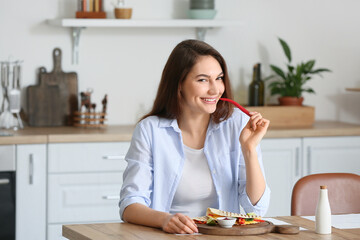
pixel 323 213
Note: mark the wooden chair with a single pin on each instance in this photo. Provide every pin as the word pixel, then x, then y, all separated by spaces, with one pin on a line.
pixel 343 192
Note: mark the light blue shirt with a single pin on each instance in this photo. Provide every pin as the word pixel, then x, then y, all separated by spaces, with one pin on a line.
pixel 156 159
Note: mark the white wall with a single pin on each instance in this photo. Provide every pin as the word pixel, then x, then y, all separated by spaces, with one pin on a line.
pixel 127 63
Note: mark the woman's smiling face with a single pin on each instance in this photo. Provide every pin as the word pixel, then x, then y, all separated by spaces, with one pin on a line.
pixel 203 86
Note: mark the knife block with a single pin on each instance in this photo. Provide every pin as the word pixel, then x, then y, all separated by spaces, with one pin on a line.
pixel 89 120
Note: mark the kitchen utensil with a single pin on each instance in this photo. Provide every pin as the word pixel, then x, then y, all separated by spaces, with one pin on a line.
pixel 104 103
pixel 237 105
pixel 4 85
pixel 14 95
pixel 252 229
pixel 45 105
pixel 93 111
pixel 7 119
pixel 67 84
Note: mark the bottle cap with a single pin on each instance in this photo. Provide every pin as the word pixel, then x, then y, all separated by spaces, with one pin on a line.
pixel 323 187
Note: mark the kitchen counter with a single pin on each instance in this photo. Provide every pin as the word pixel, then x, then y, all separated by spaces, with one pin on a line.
pixel 116 133
pixel 37 135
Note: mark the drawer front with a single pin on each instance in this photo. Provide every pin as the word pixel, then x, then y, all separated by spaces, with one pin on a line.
pixel 7 158
pixel 55 232
pixel 87 157
pixel 83 197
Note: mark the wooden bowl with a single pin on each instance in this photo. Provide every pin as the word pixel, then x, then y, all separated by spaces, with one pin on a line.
pixel 123 13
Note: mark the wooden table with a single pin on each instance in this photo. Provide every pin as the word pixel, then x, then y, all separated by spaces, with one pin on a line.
pixel 112 231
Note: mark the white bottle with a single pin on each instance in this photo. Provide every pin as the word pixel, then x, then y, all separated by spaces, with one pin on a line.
pixel 323 213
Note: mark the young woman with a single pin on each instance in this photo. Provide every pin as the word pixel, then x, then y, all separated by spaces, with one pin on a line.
pixel 193 151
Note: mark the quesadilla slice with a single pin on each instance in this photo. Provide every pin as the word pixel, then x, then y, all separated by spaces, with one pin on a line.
pixel 242 219
pixel 200 220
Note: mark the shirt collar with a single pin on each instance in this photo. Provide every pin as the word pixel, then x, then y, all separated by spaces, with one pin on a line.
pixel 166 122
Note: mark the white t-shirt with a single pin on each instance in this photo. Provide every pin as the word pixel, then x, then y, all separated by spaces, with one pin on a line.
pixel 196 191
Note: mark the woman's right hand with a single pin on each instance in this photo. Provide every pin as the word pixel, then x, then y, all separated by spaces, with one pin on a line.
pixel 179 223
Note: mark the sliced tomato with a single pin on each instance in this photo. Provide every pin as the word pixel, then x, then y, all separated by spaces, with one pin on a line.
pixel 259 220
pixel 200 222
pixel 242 221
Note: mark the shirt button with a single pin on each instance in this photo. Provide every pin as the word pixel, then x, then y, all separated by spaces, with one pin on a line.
pixel 214 172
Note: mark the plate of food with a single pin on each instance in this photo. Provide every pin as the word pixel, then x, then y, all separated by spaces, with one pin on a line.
pixel 218 222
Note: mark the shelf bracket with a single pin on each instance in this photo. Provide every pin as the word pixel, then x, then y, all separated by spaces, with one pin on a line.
pixel 200 33
pixel 76 31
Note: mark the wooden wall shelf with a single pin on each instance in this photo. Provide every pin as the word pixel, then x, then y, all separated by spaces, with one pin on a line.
pixel 353 89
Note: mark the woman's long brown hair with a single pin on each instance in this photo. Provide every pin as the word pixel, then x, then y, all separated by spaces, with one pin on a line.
pixel 180 62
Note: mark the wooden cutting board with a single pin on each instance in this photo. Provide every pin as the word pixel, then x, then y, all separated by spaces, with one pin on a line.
pixel 67 84
pixel 44 104
pixel 287 116
pixel 243 230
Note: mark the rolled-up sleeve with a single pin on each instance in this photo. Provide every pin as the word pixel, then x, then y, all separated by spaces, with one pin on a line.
pixel 138 175
pixel 262 205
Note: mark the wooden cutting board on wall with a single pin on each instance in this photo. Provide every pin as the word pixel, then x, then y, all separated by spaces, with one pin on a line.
pixel 44 104
pixel 66 96
pixel 64 86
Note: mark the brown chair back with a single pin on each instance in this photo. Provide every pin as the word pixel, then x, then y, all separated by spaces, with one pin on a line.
pixel 343 192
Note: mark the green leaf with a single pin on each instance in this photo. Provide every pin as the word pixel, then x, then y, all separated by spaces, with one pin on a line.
pixel 309 90
pixel 275 84
pixel 211 221
pixel 290 68
pixel 299 70
pixel 307 78
pixel 320 70
pixel 286 49
pixel 309 65
pixel 278 71
pixel 275 91
pixel 268 78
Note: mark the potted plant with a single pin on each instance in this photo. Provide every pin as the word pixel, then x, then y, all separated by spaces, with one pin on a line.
pixel 290 85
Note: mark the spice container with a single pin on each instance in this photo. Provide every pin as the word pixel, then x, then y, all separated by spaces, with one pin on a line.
pixel 88 117
pixel 323 213
pixel 89 120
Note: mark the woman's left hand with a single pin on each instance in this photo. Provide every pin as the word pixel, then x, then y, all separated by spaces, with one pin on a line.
pixel 254 131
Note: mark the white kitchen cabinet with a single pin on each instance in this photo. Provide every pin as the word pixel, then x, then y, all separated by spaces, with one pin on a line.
pixel 30 192
pixel 87 197
pixel 286 160
pixel 282 164
pixel 55 232
pixel 332 154
pixel 87 157
pixel 84 181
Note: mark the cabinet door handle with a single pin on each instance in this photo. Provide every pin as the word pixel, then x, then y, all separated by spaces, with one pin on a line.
pixel 309 160
pixel 4 181
pixel 31 169
pixel 297 162
pixel 111 197
pixel 114 157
